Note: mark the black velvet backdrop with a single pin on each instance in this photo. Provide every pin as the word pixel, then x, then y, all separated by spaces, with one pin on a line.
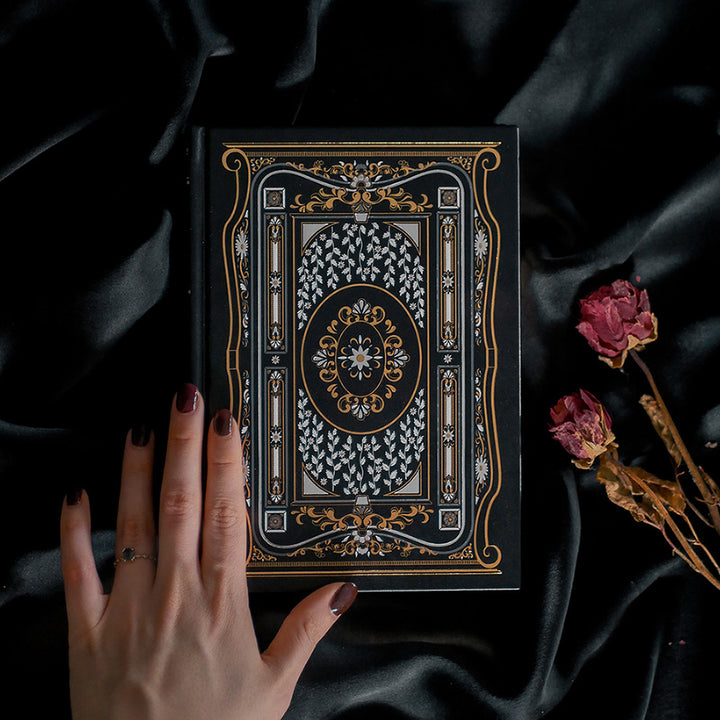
pixel 617 104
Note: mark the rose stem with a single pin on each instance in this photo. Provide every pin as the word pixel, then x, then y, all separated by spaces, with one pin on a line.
pixel 697 564
pixel 694 471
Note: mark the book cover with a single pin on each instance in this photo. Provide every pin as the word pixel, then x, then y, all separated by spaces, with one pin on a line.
pixel 357 309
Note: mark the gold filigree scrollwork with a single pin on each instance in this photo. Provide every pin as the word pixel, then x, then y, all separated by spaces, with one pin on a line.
pixel 260 162
pixel 361 200
pixel 244 420
pixel 481 465
pixel 258 555
pixel 243 275
pixel 361 545
pixel 465 554
pixel 480 252
pixel 362 531
pixel 326 519
pixel 465 162
pixel 358 172
pixel 362 357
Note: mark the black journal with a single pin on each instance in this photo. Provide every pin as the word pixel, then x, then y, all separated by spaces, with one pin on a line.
pixel 357 309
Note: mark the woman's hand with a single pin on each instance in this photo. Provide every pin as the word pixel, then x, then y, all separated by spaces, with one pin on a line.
pixel 175 639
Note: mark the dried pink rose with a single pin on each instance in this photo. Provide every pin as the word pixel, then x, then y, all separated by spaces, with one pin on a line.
pixel 582 426
pixel 616 319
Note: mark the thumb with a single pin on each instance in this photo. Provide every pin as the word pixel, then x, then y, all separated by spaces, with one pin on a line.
pixel 305 626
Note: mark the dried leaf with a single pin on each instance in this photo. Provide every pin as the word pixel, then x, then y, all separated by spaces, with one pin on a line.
pixel 668 491
pixel 662 428
pixel 620 490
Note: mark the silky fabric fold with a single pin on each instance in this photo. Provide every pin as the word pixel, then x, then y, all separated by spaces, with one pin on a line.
pixel 618 108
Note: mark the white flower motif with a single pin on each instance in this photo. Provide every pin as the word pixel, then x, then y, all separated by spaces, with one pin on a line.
pixel 361 181
pixel 362 537
pixel 360 409
pixel 275 359
pixel 397 357
pixel 360 355
pixel 275 282
pixel 360 358
pixel 320 358
pixel 481 469
pixel 362 307
pixel 447 359
pixel 481 242
pixel 275 435
pixel 241 244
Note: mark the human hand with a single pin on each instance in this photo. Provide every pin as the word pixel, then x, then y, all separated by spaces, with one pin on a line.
pixel 176 641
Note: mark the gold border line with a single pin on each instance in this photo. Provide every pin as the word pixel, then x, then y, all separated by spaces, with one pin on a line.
pixel 487 148
pixel 470 144
pixel 496 227
pixel 236 171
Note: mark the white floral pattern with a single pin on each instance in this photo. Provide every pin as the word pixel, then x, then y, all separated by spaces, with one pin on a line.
pixel 364 253
pixel 350 465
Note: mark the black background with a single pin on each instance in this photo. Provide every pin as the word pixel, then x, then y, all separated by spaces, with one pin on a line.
pixel 617 104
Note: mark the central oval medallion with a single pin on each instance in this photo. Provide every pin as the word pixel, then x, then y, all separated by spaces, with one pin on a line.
pixel 361 358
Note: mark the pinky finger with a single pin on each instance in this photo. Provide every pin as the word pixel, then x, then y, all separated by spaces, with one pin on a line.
pixel 84 596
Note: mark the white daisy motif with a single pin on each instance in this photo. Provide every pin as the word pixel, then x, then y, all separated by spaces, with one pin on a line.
pixel 481 469
pixel 360 354
pixel 241 244
pixel 275 435
pixel 481 242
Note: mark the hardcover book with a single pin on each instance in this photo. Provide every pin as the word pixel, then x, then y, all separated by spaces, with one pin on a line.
pixel 357 309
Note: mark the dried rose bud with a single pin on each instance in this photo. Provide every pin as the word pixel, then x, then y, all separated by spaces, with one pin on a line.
pixel 582 426
pixel 616 319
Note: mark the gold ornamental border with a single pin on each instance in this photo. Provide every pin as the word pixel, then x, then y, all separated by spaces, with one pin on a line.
pixel 235 159
pixel 489 496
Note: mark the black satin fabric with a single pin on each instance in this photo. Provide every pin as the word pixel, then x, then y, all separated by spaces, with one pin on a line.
pixel 618 108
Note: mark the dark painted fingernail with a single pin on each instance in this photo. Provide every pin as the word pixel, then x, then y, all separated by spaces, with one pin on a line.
pixel 73 496
pixel 187 398
pixel 222 422
pixel 343 598
pixel 140 435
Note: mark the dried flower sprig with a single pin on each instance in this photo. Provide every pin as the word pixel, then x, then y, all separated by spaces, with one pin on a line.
pixel 617 323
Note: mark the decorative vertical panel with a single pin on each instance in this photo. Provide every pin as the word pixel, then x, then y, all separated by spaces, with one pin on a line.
pixel 275 282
